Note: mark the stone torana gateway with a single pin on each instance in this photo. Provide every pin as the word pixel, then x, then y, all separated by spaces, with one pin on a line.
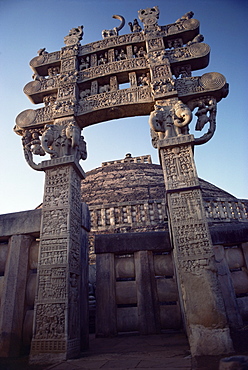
pixel 81 85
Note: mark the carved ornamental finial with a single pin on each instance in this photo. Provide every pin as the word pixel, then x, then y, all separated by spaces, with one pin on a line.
pixel 75 35
pixel 149 17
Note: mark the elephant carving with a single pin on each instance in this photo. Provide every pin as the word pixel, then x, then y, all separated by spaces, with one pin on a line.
pixel 161 122
pixel 60 140
pixel 47 139
pixel 182 118
pixel 168 121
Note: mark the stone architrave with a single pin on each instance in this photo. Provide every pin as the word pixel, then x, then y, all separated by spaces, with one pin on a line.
pixel 57 332
pixel 201 298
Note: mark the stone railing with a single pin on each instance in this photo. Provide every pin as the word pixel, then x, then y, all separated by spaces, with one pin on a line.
pixel 130 159
pixel 151 213
pixel 226 210
pixel 135 214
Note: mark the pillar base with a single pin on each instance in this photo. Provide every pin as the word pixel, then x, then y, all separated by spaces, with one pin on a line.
pixel 209 341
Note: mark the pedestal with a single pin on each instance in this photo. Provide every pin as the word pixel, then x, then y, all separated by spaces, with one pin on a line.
pixel 201 298
pixel 58 304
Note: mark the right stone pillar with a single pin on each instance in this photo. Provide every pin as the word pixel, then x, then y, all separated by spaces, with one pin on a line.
pixel 201 299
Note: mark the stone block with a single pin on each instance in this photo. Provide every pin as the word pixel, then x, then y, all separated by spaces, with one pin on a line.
pixel 132 242
pixel 167 290
pixel 13 295
pixel 105 295
pixel 244 247
pixel 163 265
pixel 126 292
pixel 170 317
pixel 243 307
pixel 209 341
pixel 31 289
pixel 234 363
pixel 27 222
pixel 33 255
pixel 234 257
pixel 27 328
pixel 3 256
pixel 127 319
pixel 227 289
pixel 124 267
pixel 240 281
pixel 85 217
pixel 1 286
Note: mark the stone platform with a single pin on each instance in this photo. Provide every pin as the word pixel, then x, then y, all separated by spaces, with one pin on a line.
pixel 163 351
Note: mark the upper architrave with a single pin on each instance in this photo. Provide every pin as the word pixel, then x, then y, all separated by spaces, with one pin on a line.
pixel 119 76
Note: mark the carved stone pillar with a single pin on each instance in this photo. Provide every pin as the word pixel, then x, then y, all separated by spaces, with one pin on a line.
pixel 57 332
pixel 201 298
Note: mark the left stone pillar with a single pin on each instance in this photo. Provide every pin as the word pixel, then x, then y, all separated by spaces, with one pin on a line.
pixel 13 295
pixel 57 331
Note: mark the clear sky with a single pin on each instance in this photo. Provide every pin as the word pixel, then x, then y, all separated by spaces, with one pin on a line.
pixel 28 25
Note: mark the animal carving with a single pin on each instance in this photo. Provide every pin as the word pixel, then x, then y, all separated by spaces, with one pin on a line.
pixel 160 121
pixel 115 30
pixel 185 17
pixel 196 39
pixel 170 121
pixel 83 94
pixel 182 117
pixel 104 88
pixel 47 140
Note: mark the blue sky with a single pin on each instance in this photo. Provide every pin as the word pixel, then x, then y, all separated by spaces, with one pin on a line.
pixel 28 25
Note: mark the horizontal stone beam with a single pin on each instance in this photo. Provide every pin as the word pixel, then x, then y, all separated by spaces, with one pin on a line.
pixel 27 222
pixel 132 242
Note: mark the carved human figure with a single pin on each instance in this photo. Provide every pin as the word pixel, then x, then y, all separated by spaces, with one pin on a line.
pixel 73 134
pixel 35 145
pixel 202 116
pixel 120 55
pixel 139 52
pixel 102 59
pixel 81 149
pixel 85 63
pixel 143 80
pixel 134 27
pixel 205 114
